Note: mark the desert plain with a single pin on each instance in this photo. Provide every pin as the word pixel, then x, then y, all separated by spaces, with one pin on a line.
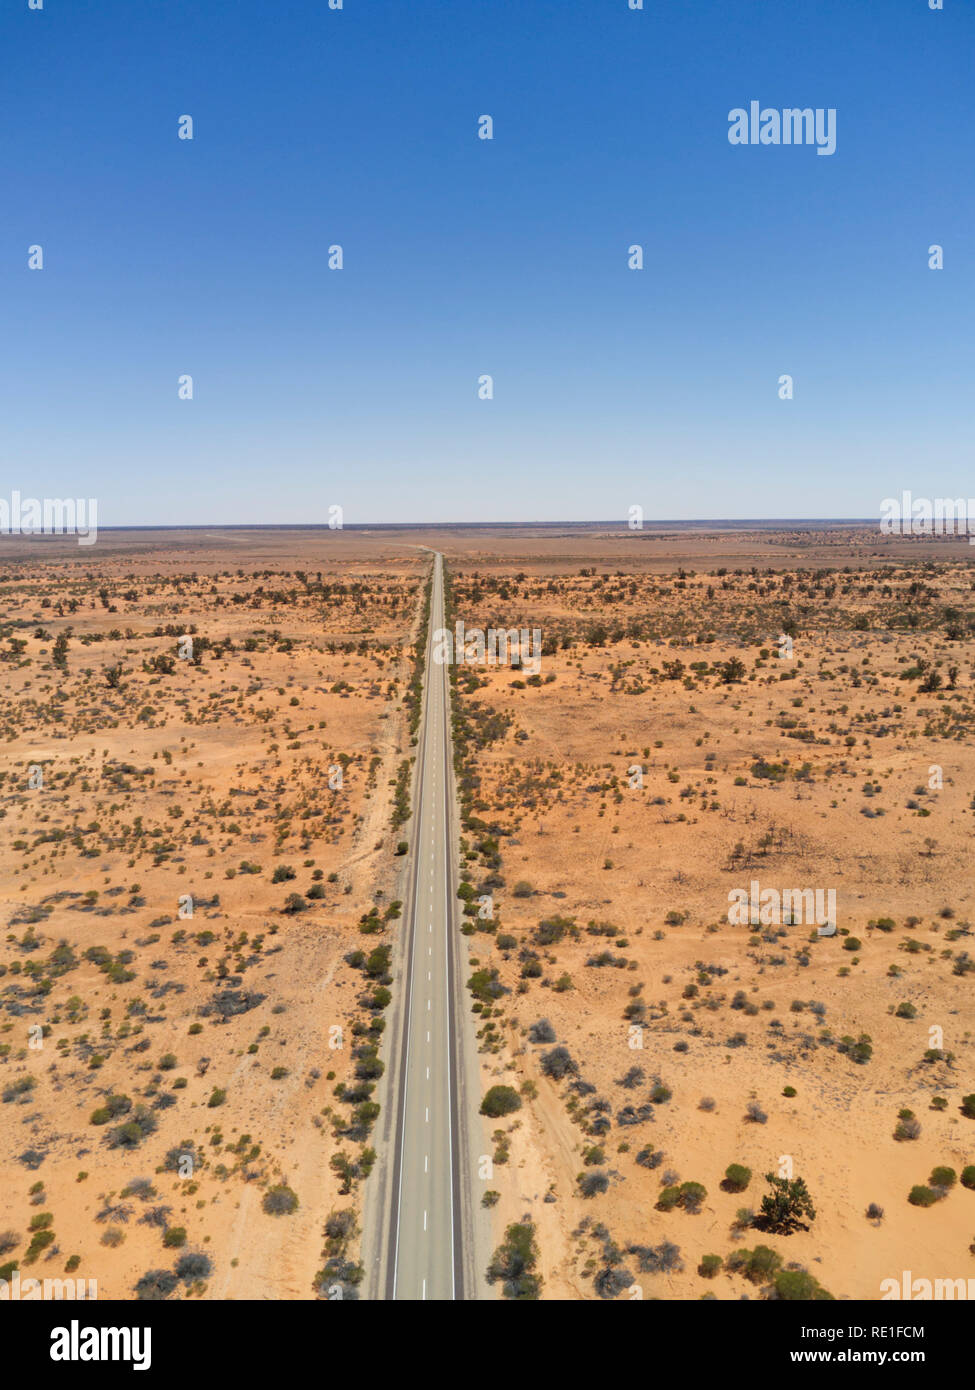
pixel 205 786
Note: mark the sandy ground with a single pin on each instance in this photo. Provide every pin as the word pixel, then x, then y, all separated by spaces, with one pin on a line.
pixel 845 767
pixel 870 797
pixel 192 781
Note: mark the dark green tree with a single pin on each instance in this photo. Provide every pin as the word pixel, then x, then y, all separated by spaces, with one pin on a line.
pixel 784 1207
pixel 513 1264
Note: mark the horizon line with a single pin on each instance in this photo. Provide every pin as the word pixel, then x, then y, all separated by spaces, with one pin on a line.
pixel 615 523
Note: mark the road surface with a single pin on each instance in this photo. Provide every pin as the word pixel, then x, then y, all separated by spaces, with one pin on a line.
pixel 422 1224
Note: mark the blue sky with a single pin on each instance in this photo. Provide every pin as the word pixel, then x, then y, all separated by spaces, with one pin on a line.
pixel 463 257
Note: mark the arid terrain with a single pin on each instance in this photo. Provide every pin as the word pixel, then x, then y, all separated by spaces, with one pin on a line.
pixel 193 833
pixel 204 801
pixel 668 751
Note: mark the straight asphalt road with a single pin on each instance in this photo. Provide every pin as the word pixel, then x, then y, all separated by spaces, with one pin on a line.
pixel 428 1174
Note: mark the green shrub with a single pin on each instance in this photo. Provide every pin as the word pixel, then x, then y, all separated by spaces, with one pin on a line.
pixel 280 1201
pixel 593 1183
pixel 500 1100
pixel 155 1286
pixel 131 1134
pixel 193 1266
pixel 907 1127
pixel 40 1242
pixel 692 1196
pixel 736 1177
pixel 113 1107
pixel 513 1264
pixel 758 1265
pixel 797 1285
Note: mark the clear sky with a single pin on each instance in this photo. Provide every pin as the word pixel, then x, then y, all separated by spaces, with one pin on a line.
pixel 463 257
